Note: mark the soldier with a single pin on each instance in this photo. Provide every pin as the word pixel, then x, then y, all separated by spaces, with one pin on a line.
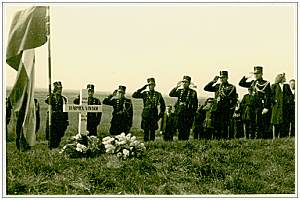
pixel 281 99
pixel 225 101
pixel 93 118
pixel 167 127
pixel 248 115
pixel 262 101
pixel 123 111
pixel 185 107
pixel 150 116
pixel 292 109
pixel 59 119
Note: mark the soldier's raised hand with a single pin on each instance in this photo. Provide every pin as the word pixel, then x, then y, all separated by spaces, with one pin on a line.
pixel 249 75
pixel 179 84
pixel 216 79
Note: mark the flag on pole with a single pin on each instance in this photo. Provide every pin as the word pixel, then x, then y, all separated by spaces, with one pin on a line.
pixel 28 31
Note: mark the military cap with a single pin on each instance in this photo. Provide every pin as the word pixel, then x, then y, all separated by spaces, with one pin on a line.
pixel 258 69
pixel 57 84
pixel 90 87
pixel 292 80
pixel 122 88
pixel 151 80
pixel 187 78
pixel 223 73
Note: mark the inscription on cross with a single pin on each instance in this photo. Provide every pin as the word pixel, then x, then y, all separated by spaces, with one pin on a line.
pixel 82 109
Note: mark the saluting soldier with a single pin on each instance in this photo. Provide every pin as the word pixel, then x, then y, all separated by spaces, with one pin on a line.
pixel 225 101
pixel 93 118
pixel 59 119
pixel 185 107
pixel 123 111
pixel 262 101
pixel 150 116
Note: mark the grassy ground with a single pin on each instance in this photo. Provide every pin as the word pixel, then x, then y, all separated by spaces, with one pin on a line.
pixel 194 167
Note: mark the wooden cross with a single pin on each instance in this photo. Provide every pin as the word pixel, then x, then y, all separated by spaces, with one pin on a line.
pixel 82 109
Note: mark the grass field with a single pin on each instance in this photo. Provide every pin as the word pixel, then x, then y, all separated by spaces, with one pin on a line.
pixel 193 167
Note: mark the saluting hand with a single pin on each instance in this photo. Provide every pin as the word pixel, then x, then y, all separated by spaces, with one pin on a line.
pixel 144 87
pixel 179 84
pixel 216 79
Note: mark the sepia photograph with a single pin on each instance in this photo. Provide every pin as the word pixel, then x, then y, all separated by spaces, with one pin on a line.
pixel 149 99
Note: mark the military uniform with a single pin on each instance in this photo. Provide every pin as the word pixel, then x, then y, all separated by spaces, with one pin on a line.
pixel 185 109
pixel 150 115
pixel 59 119
pixel 262 99
pixel 122 113
pixel 225 101
pixel 93 118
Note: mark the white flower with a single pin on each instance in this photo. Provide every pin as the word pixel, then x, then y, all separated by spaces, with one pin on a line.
pixel 133 138
pixel 106 138
pixel 125 152
pixel 80 147
pixel 93 137
pixel 77 137
pixel 119 154
pixel 128 136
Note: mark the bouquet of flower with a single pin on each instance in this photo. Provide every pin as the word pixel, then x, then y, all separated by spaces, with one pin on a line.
pixel 124 146
pixel 83 146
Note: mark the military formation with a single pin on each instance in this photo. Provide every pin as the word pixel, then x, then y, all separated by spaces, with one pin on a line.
pixel 267 111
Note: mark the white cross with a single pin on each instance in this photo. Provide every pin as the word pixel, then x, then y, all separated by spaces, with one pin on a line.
pixel 82 109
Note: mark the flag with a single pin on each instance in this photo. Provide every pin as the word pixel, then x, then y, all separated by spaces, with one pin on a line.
pixel 28 31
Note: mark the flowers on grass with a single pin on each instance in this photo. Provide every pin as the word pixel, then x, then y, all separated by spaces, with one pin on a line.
pixel 124 146
pixel 83 146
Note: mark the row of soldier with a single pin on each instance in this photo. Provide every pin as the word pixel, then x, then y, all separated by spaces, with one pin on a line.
pixel 264 105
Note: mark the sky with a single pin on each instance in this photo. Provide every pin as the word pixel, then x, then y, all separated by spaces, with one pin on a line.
pixel 124 44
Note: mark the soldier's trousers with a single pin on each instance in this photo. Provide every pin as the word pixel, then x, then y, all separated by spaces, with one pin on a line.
pixel 92 130
pixel 149 134
pixel 249 127
pixel 183 133
pixel 262 125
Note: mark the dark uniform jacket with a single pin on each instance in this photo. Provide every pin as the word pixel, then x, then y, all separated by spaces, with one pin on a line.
pixel 93 118
pixel 281 101
pixel 150 115
pixel 186 105
pixel 59 119
pixel 261 92
pixel 122 114
pixel 225 96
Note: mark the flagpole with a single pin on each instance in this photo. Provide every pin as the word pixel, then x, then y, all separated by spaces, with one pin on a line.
pixel 49 73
